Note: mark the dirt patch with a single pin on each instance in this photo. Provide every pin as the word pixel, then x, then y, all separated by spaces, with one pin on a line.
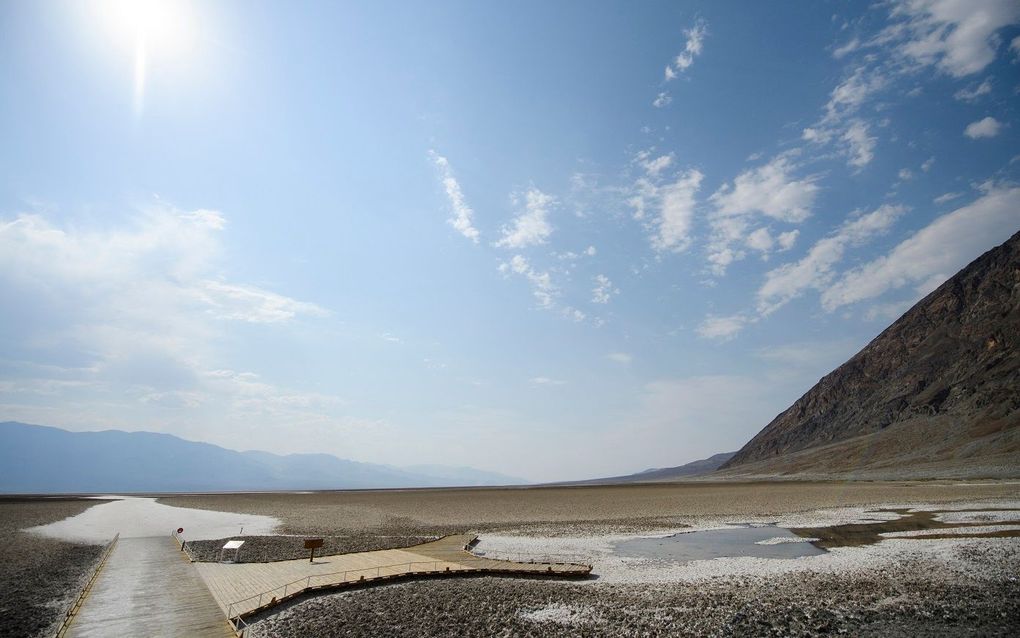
pixel 858 534
pixel 39 577
pixel 266 549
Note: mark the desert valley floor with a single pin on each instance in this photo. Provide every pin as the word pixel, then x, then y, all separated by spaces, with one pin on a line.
pixel 893 558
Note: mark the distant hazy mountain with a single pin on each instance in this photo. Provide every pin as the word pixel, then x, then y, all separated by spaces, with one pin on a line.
pixel 694 468
pixel 40 459
pixel 936 394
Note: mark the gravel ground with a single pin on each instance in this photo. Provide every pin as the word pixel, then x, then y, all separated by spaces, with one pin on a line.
pixel 39 577
pixel 570 511
pixel 265 549
pixel 970 589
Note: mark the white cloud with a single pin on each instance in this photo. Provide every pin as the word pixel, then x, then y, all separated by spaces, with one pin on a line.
pixel 1014 46
pixel 620 357
pixel 541 282
pixel 788 239
pixel 860 145
pixel 928 163
pixel 849 47
pixel 958 36
pixel 947 197
pixel 603 290
pixel 669 73
pixel 722 328
pixel 546 381
pixel 463 216
pixel 761 240
pixel 590 251
pixel 770 190
pixel 654 166
pixel 905 174
pixel 531 226
pixel 816 269
pixel 661 100
pixel 676 212
pixel 973 93
pixel 987 127
pixel 692 49
pixel 252 304
pixel 938 250
pixel 140 311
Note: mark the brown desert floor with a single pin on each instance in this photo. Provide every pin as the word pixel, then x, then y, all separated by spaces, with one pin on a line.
pixel 39 576
pixel 553 511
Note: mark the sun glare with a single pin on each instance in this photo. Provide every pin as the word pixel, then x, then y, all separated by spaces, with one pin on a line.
pixel 152 30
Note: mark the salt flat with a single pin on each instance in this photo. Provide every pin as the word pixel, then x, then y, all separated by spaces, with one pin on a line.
pixel 139 517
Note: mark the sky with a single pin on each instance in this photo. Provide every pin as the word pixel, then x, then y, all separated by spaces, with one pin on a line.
pixel 557 240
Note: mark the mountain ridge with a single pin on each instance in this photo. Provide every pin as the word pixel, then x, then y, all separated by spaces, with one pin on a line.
pixel 46 459
pixel 949 366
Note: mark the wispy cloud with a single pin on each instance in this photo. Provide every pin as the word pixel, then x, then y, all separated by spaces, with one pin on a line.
pixel 722 328
pixel 936 251
pixel 693 45
pixel 463 215
pixel 546 381
pixel 957 36
pixel 603 290
pixel 975 92
pixel 816 269
pixel 531 226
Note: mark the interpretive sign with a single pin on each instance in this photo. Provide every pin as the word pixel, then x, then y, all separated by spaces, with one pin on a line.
pixel 234 545
pixel 313 544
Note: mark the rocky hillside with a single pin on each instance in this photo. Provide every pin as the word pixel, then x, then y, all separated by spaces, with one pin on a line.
pixel 937 392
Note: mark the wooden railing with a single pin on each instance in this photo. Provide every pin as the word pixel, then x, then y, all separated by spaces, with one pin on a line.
pixel 346 576
pixel 76 605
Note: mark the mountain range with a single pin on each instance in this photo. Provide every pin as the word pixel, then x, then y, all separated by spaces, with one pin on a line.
pixel 41 459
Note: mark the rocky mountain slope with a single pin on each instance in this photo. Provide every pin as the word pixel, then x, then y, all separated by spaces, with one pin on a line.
pixel 936 394
pixel 688 470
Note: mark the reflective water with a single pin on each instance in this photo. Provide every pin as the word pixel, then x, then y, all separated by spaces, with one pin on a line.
pixel 720 543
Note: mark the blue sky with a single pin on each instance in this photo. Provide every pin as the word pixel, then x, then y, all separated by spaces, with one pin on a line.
pixel 556 240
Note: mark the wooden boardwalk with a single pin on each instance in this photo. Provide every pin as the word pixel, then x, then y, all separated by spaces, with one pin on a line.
pixel 247 588
pixel 148 588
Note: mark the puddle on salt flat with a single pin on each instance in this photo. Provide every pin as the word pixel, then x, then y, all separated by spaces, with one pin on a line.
pixel 720 543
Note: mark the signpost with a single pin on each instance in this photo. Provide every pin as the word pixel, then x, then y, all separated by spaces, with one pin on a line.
pixel 313 544
pixel 234 545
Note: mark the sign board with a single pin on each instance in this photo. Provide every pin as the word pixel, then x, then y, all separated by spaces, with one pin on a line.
pixel 313 544
pixel 180 530
pixel 234 545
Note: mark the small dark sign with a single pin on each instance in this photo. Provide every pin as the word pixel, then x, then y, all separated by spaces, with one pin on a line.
pixel 180 530
pixel 313 544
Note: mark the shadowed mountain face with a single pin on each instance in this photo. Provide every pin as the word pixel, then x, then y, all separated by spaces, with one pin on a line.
pixel 688 470
pixel 936 394
pixel 39 459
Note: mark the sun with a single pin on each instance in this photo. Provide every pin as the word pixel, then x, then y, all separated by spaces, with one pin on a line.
pixel 163 25
pixel 152 30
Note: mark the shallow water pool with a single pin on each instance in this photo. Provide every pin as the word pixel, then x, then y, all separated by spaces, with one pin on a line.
pixel 720 543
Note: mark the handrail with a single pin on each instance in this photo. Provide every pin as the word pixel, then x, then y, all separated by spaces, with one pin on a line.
pixel 183 543
pixel 307 580
pixel 65 624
